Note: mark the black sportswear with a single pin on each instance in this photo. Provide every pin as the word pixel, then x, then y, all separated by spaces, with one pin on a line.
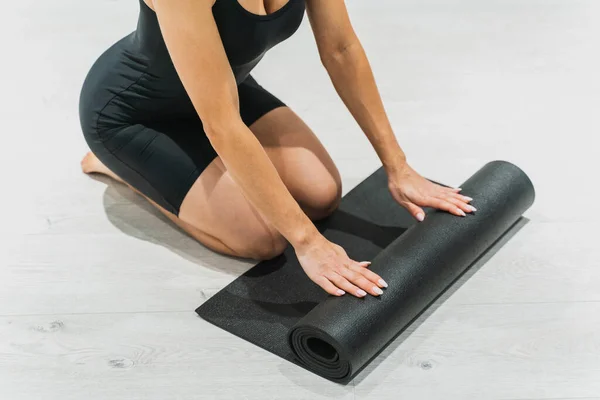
pixel 137 117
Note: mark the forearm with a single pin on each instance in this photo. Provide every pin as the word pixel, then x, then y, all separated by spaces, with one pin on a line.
pixel 353 79
pixel 250 167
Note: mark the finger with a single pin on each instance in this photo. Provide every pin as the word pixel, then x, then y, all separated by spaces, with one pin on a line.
pixel 328 286
pixel 462 198
pixel 361 281
pixel 343 283
pixel 449 189
pixel 370 275
pixel 415 211
pixel 461 204
pixel 445 206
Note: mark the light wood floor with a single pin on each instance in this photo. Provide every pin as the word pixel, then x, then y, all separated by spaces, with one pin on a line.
pixel 97 290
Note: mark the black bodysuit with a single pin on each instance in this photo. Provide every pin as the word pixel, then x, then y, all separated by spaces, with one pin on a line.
pixel 137 117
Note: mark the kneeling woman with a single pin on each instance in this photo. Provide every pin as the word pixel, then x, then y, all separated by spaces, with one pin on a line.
pixel 173 111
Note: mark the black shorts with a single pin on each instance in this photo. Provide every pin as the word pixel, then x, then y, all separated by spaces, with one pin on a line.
pixel 138 120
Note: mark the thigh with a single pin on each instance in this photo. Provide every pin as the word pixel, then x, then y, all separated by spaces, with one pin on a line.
pixel 217 207
pixel 174 167
pixel 302 161
pixel 216 212
pixel 160 160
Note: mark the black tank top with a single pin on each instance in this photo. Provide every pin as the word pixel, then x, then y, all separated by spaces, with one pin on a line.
pixel 245 36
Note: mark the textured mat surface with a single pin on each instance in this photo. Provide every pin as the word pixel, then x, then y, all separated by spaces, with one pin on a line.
pixel 275 306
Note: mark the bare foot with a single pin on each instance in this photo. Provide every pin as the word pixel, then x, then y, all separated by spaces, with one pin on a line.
pixel 91 164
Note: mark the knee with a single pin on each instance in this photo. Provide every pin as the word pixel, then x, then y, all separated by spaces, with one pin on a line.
pixel 265 245
pixel 323 198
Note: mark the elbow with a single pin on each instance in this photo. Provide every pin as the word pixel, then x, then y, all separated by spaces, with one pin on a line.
pixel 221 115
pixel 217 129
pixel 340 54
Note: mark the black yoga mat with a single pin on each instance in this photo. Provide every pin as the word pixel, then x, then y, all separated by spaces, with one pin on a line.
pixel 275 306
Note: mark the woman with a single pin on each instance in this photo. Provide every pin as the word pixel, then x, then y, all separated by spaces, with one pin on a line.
pixel 172 111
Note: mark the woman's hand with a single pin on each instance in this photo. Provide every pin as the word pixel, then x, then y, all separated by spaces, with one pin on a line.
pixel 328 265
pixel 412 191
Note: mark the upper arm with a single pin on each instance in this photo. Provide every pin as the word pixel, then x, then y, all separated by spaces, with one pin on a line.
pixel 194 44
pixel 331 26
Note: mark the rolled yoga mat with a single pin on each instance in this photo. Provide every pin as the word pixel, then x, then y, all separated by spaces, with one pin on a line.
pixel 275 306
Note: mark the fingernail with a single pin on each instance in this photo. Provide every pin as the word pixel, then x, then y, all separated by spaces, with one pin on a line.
pixel 461 212
pixel 366 262
pixel 420 216
pixel 468 198
pixel 459 189
pixel 361 293
pixel 377 290
pixel 383 283
pixel 341 292
pixel 472 208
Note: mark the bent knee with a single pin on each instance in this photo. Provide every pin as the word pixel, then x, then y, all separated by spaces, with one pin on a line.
pixel 322 199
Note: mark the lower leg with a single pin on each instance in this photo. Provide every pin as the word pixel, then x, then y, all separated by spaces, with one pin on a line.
pixel 91 164
pixel 209 241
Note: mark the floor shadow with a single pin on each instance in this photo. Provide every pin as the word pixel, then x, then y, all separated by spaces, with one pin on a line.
pixel 136 217
pixel 379 235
